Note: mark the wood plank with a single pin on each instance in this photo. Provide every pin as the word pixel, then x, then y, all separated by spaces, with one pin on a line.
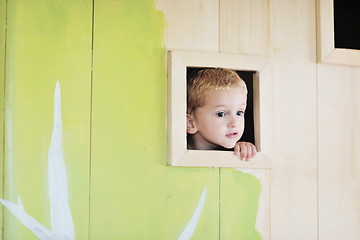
pixel 191 24
pixel 2 91
pixel 294 126
pixel 134 194
pixel 244 27
pixel 339 152
pixel 184 188
pixel 245 204
pixel 46 42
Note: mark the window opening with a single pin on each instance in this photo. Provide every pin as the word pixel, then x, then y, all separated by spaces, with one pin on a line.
pixel 248 77
pixel 347 24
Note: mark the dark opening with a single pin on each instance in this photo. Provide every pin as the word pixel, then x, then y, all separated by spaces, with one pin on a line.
pixel 347 24
pixel 248 77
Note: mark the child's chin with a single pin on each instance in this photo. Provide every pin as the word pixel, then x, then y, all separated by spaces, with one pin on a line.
pixel 229 146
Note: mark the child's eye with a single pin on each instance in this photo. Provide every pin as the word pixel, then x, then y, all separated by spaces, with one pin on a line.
pixel 221 114
pixel 240 113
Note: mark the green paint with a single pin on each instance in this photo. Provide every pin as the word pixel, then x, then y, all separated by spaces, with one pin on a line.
pixel 46 41
pixel 2 79
pixel 240 194
pixel 134 194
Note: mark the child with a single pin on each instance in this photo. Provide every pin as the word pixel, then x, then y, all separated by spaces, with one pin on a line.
pixel 216 102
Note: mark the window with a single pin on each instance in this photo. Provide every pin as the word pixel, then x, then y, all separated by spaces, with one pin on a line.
pixel 253 70
pixel 338 35
pixel 249 77
pixel 346 24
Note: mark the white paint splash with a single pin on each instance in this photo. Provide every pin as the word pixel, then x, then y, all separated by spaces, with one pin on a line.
pixel 189 230
pixel 62 227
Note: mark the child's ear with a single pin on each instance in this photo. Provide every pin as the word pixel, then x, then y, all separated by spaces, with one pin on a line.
pixel 190 124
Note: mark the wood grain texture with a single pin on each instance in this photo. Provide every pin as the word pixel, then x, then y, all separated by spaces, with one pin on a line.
pixel 191 24
pixel 294 127
pixel 46 42
pixel 339 153
pixel 244 27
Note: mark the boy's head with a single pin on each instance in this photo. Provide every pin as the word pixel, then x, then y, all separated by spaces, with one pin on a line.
pixel 209 80
pixel 216 101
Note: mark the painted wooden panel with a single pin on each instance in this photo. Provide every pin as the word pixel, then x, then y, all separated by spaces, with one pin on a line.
pixel 191 24
pixel 245 204
pixel 294 177
pixel 244 27
pixel 2 91
pixel 134 194
pixel 339 152
pixel 46 42
pixel 184 186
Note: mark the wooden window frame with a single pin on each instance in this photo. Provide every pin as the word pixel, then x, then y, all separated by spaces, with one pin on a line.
pixel 327 53
pixel 178 154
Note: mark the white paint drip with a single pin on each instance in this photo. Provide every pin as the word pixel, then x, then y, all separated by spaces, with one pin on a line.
pixel 60 214
pixel 190 228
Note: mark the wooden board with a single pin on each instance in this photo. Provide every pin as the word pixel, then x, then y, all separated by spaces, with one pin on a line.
pixel 46 42
pixel 339 153
pixel 244 204
pixel 2 91
pixel 244 27
pixel 294 126
pixel 184 188
pixel 134 194
pixel 191 24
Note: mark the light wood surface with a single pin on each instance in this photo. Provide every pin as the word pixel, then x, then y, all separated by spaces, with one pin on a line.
pixel 294 139
pixel 244 27
pixel 191 25
pixel 339 152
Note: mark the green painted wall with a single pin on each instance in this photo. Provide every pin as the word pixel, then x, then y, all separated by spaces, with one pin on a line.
pixel 47 41
pixel 2 79
pixel 110 60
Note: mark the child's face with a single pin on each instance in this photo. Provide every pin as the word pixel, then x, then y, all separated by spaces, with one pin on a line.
pixel 220 122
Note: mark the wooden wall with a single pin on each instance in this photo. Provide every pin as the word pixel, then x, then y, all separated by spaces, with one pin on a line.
pixel 315 109
pixel 109 57
pixel 2 80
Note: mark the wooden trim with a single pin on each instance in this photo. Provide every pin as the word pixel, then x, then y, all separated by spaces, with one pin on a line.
pixel 326 51
pixel 178 155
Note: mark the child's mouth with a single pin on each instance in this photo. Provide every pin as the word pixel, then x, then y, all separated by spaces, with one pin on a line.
pixel 232 135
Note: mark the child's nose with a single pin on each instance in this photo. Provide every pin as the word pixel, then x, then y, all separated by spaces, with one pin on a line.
pixel 234 122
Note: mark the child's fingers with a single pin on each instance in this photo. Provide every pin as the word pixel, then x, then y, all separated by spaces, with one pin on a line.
pixel 247 151
pixel 253 148
pixel 243 151
pixel 237 149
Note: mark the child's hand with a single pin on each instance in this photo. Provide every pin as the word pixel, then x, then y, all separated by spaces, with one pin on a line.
pixel 245 150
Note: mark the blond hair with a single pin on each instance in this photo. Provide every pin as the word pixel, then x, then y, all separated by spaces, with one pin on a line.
pixel 207 80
